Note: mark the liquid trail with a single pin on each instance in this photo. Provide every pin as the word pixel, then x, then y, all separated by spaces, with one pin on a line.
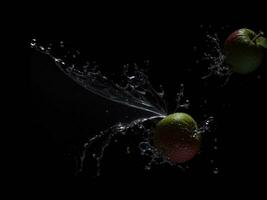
pixel 137 92
pixel 140 128
pixel 216 59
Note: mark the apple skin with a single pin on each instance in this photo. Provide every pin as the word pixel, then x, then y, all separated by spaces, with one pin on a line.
pixel 176 138
pixel 242 51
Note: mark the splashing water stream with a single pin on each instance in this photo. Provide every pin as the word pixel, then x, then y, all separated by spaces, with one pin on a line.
pixel 216 59
pixel 136 92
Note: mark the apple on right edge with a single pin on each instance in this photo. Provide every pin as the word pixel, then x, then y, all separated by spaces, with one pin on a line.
pixel 244 50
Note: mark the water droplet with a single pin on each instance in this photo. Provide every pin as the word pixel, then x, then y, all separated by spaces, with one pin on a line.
pixel 131 77
pixel 215 170
pixel 147 167
pixel 128 150
pixel 215 148
pixel 216 59
pixel 33 43
pixel 61 44
pixel 57 60
pixel 147 62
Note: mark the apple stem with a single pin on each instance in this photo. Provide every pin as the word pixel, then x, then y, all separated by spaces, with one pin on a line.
pixel 258 35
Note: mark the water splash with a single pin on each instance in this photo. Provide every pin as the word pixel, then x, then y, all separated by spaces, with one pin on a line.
pixel 134 90
pixel 137 91
pixel 121 129
pixel 181 102
pixel 216 59
pixel 141 129
pixel 205 126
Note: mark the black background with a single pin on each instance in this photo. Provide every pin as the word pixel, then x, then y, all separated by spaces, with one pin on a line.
pixel 63 114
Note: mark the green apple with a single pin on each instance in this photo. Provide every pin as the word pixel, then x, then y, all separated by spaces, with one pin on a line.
pixel 244 50
pixel 176 137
